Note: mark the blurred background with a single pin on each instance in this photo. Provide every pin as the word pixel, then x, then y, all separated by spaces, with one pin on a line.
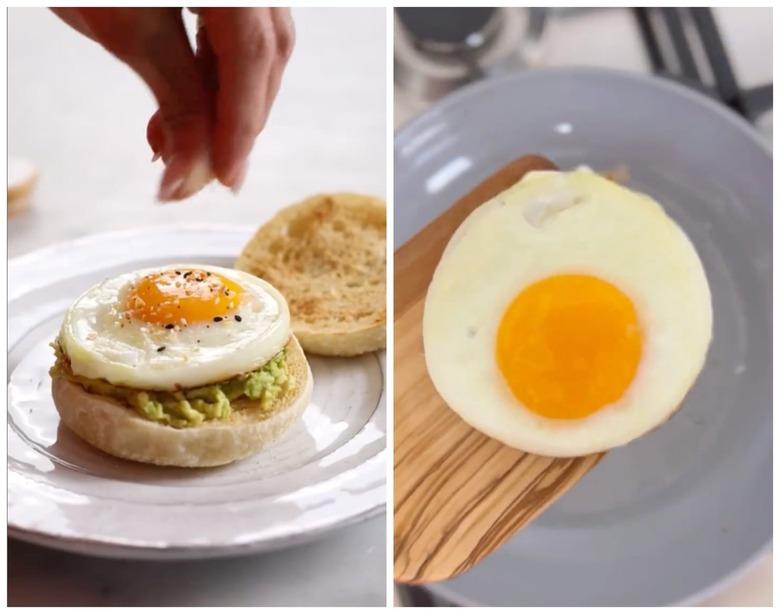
pixel 725 53
pixel 79 117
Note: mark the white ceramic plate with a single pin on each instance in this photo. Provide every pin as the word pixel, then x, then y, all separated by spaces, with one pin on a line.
pixel 329 470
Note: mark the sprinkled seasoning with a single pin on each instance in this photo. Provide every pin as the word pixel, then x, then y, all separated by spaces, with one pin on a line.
pixel 161 348
pixel 217 318
pixel 169 326
pixel 237 317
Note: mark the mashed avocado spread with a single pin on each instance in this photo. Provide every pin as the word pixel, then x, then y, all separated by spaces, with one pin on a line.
pixel 191 406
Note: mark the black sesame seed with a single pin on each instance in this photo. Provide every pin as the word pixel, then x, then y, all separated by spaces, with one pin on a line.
pixel 188 273
pixel 161 348
pixel 237 317
pixel 217 318
pixel 177 272
pixel 169 326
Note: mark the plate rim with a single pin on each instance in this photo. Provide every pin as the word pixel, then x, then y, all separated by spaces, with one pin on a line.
pixel 411 128
pixel 116 547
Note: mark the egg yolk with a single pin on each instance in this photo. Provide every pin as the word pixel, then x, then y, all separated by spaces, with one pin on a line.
pixel 183 296
pixel 568 345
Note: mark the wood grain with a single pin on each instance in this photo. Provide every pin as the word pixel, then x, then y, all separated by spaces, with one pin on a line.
pixel 459 494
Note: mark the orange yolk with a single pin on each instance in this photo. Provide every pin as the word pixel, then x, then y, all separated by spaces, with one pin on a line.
pixel 181 297
pixel 568 345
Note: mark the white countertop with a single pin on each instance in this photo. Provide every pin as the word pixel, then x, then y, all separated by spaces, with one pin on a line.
pixel 80 117
pixel 577 40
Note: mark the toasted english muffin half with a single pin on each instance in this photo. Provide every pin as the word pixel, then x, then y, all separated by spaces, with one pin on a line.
pixel 326 255
pixel 120 431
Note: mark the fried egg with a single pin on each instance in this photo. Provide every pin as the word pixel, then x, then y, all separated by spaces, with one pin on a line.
pixel 179 326
pixel 568 315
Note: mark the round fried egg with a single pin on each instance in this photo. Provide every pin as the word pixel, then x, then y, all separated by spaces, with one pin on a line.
pixel 568 315
pixel 174 327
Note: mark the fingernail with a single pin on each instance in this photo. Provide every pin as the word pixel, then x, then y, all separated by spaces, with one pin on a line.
pixel 157 155
pixel 238 176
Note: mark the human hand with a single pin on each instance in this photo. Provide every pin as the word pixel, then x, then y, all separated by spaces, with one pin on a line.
pixel 213 100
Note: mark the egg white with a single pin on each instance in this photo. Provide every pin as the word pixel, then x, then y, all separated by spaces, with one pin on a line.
pixel 101 345
pixel 553 223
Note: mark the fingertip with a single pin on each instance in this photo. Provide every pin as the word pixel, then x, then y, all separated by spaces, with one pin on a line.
pixel 155 135
pixel 185 176
pixel 239 177
pixel 172 179
pixel 234 175
pixel 169 189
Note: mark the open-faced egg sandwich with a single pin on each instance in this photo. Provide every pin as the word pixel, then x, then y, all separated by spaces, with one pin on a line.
pixel 568 315
pixel 186 365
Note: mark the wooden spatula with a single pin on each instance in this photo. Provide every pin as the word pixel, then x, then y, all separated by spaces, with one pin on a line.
pixel 459 494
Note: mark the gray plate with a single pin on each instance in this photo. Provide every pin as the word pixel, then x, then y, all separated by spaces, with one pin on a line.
pixel 668 517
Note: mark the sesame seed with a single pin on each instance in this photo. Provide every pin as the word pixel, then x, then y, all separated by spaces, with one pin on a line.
pixel 161 348
pixel 169 326
pixel 217 319
pixel 237 318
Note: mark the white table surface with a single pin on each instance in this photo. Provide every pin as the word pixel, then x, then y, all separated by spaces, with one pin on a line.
pixel 81 117
pixel 578 40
